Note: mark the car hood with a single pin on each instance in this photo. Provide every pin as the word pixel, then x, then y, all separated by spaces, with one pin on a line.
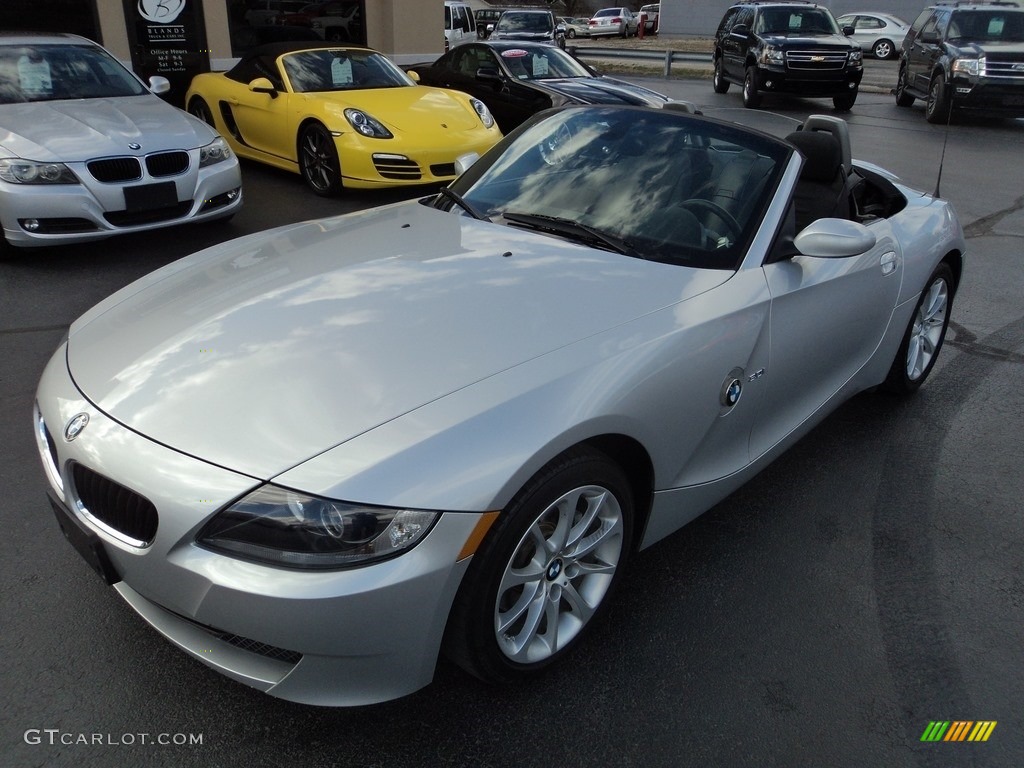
pixel 812 41
pixel 405 109
pixel 602 90
pixel 82 129
pixel 262 352
pixel 996 49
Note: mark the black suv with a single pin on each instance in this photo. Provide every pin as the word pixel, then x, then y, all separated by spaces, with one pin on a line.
pixel 787 47
pixel 966 56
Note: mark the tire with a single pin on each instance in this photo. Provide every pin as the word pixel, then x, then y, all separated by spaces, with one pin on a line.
pixel 903 99
pixel 924 335
pixel 624 31
pixel 844 102
pixel 318 160
pixel 533 589
pixel 883 49
pixel 938 108
pixel 570 33
pixel 199 108
pixel 718 81
pixel 751 97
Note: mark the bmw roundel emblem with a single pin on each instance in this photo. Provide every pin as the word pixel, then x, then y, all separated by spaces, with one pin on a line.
pixel 731 392
pixel 75 426
pixel 134 146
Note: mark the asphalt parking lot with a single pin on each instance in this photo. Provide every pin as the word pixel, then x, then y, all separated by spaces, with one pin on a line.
pixel 869 582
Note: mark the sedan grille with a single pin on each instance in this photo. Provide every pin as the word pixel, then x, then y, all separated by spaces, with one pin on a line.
pixel 119 509
pixel 167 163
pixel 391 167
pixel 114 169
pixel 816 60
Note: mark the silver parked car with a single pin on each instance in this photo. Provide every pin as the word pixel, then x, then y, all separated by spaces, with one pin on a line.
pixel 879 34
pixel 315 456
pixel 88 151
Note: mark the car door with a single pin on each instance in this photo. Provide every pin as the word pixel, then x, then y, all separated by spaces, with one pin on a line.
pixel 828 316
pixel 736 43
pixel 926 50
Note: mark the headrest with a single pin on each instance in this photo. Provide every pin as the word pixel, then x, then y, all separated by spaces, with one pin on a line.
pixel 822 156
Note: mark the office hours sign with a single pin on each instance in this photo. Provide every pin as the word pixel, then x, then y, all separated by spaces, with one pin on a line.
pixel 168 38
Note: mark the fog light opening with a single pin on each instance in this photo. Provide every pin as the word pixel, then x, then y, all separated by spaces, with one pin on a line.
pixel 30 225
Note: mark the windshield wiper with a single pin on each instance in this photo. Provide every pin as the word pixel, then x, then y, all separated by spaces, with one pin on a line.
pixel 458 199
pixel 573 229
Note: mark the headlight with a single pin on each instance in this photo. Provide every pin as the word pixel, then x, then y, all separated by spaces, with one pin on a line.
pixel 19 171
pixel 482 112
pixel 214 152
pixel 856 57
pixel 367 125
pixel 284 527
pixel 972 67
pixel 771 55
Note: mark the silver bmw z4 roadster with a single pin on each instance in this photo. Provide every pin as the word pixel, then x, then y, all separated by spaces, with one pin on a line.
pixel 316 457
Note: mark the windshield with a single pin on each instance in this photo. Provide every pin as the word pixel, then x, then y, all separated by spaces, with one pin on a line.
pixel 987 26
pixel 541 63
pixel 798 21
pixel 341 70
pixel 591 172
pixel 511 21
pixel 62 71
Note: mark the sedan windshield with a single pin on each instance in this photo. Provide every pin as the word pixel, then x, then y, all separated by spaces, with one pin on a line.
pixel 647 183
pixel 61 71
pixel 541 62
pixel 341 70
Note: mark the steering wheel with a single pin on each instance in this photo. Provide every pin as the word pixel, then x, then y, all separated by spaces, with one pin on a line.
pixel 553 147
pixel 699 204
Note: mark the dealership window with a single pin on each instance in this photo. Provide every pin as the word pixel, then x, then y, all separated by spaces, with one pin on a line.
pixel 254 22
pixel 76 16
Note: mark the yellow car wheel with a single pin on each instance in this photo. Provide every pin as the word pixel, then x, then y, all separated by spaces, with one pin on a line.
pixel 318 160
pixel 199 108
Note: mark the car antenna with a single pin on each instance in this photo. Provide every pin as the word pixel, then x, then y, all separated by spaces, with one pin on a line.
pixel 942 157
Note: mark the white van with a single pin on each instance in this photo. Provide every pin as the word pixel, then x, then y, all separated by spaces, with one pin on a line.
pixel 459 24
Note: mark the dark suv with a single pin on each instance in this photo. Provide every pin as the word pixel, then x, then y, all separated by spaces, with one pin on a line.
pixel 966 56
pixel 786 47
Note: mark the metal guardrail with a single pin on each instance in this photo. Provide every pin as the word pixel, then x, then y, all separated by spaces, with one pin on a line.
pixel 668 57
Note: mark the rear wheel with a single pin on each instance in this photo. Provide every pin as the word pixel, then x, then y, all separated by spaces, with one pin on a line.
pixel 718 81
pixel 903 99
pixel 924 335
pixel 883 49
pixel 199 108
pixel 939 107
pixel 318 160
pixel 751 97
pixel 546 570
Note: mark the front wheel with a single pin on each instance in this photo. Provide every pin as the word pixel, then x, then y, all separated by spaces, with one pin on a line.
pixel 318 160
pixel 199 108
pixel 718 81
pixel 924 335
pixel 844 102
pixel 751 98
pixel 546 570
pixel 939 107
pixel 571 33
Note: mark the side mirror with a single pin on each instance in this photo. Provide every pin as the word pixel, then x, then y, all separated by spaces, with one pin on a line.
pixel 834 239
pixel 740 30
pixel 489 75
pixel 929 38
pixel 263 85
pixel 412 73
pixel 159 85
pixel 848 30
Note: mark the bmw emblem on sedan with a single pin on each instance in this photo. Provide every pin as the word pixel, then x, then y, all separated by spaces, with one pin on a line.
pixel 135 146
pixel 75 426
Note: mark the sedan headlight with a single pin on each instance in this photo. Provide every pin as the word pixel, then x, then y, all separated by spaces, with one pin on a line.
pixel 367 125
pixel 18 171
pixel 482 112
pixel 215 152
pixel 856 57
pixel 771 55
pixel 971 67
pixel 279 526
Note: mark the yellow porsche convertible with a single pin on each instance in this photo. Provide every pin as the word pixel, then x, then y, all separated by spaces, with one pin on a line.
pixel 341 117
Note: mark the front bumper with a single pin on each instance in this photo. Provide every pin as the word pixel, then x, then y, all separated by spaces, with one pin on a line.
pixel 989 95
pixel 807 83
pixel 92 210
pixel 338 638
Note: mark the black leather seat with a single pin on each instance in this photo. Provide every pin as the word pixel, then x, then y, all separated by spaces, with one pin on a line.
pixel 821 191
